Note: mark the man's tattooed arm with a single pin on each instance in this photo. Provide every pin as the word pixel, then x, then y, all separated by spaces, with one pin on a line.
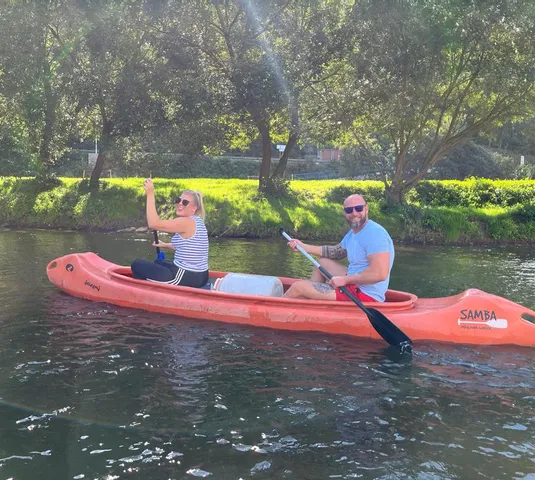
pixel 322 287
pixel 335 252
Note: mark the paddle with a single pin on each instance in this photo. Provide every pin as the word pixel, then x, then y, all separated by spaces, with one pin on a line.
pixel 159 254
pixel 383 326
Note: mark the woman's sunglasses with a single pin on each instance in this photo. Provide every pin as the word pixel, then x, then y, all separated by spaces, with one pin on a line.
pixel 183 201
pixel 357 208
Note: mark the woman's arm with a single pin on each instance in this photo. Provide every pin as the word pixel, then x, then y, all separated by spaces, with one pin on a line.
pixel 164 245
pixel 177 225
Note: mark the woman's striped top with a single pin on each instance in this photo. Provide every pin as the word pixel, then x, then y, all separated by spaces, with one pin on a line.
pixel 192 253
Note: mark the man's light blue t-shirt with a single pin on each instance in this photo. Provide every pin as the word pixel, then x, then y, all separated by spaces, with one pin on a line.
pixel 373 238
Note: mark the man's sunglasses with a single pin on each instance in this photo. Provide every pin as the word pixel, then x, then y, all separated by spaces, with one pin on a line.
pixel 183 200
pixel 357 208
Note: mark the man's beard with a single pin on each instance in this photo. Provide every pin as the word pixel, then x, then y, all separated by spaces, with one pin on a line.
pixel 357 222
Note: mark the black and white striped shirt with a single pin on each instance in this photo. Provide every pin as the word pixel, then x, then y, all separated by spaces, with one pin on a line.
pixel 192 253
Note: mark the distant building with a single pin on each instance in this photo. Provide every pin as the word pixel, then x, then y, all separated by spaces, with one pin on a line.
pixel 328 154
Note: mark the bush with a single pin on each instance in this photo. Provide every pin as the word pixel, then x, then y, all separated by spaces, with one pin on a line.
pixel 475 192
pixel 277 187
pixel 501 227
pixel 436 193
pixel 371 190
pixel 510 167
pixel 43 183
pixel 466 161
pixel 524 213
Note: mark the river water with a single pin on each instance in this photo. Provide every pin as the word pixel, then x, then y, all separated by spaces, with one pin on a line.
pixel 94 391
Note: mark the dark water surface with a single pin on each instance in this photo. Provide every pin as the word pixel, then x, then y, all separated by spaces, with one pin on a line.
pixel 95 391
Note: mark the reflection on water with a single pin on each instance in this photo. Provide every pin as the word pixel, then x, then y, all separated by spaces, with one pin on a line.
pixel 91 390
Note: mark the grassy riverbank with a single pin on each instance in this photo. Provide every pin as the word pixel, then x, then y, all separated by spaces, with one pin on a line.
pixel 475 211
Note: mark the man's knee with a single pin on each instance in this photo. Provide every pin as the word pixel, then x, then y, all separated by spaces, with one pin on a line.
pixel 294 290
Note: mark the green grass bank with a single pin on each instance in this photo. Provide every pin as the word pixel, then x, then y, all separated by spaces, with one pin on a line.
pixel 443 212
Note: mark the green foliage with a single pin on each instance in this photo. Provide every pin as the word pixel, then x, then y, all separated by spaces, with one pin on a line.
pixel 181 166
pixel 502 227
pixel 42 183
pixel 474 192
pixel 510 167
pixel 370 189
pixel 15 158
pixel 186 166
pixel 362 163
pixel 85 186
pixel 468 160
pixel 311 210
pixel 277 187
pixel 412 79
pixel 37 56
pixel 435 193
pixel 524 213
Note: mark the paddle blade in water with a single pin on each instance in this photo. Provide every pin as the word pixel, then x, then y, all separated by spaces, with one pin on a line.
pixel 390 332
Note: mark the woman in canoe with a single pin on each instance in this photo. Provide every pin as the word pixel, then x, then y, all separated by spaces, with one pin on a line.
pixel 190 242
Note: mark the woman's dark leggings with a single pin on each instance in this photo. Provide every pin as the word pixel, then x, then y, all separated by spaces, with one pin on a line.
pixel 167 272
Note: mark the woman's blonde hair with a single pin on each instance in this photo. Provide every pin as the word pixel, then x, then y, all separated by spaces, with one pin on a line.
pixel 197 198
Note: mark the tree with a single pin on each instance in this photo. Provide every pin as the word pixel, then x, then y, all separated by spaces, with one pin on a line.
pixel 427 76
pixel 130 93
pixel 117 87
pixel 38 41
pixel 258 60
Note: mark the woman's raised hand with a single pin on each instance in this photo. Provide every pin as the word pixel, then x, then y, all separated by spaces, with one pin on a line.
pixel 148 186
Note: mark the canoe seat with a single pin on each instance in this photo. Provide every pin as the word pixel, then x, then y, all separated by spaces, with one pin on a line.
pixel 397 296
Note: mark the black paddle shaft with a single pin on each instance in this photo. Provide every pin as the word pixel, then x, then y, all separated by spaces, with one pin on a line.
pixel 344 290
pixel 156 241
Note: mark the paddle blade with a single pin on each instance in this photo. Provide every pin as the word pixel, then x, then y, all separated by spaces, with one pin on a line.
pixel 390 332
pixel 382 325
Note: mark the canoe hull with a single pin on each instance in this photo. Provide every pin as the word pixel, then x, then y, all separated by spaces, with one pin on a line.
pixel 471 317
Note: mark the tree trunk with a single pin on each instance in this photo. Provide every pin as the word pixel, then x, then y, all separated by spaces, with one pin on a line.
pixel 292 141
pixel 45 150
pixel 101 161
pixel 105 142
pixel 395 194
pixel 99 167
pixel 283 161
pixel 265 167
pixel 395 191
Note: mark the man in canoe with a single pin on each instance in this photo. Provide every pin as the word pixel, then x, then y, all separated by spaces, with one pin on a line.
pixel 190 242
pixel 369 250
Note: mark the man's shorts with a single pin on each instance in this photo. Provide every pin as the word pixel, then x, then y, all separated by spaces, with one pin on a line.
pixel 355 290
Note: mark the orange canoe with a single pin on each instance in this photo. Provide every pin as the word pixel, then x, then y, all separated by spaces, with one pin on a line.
pixel 471 317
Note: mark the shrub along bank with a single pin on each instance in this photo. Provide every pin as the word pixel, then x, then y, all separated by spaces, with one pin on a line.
pixel 472 211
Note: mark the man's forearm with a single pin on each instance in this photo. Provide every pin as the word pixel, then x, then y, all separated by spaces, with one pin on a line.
pixel 312 249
